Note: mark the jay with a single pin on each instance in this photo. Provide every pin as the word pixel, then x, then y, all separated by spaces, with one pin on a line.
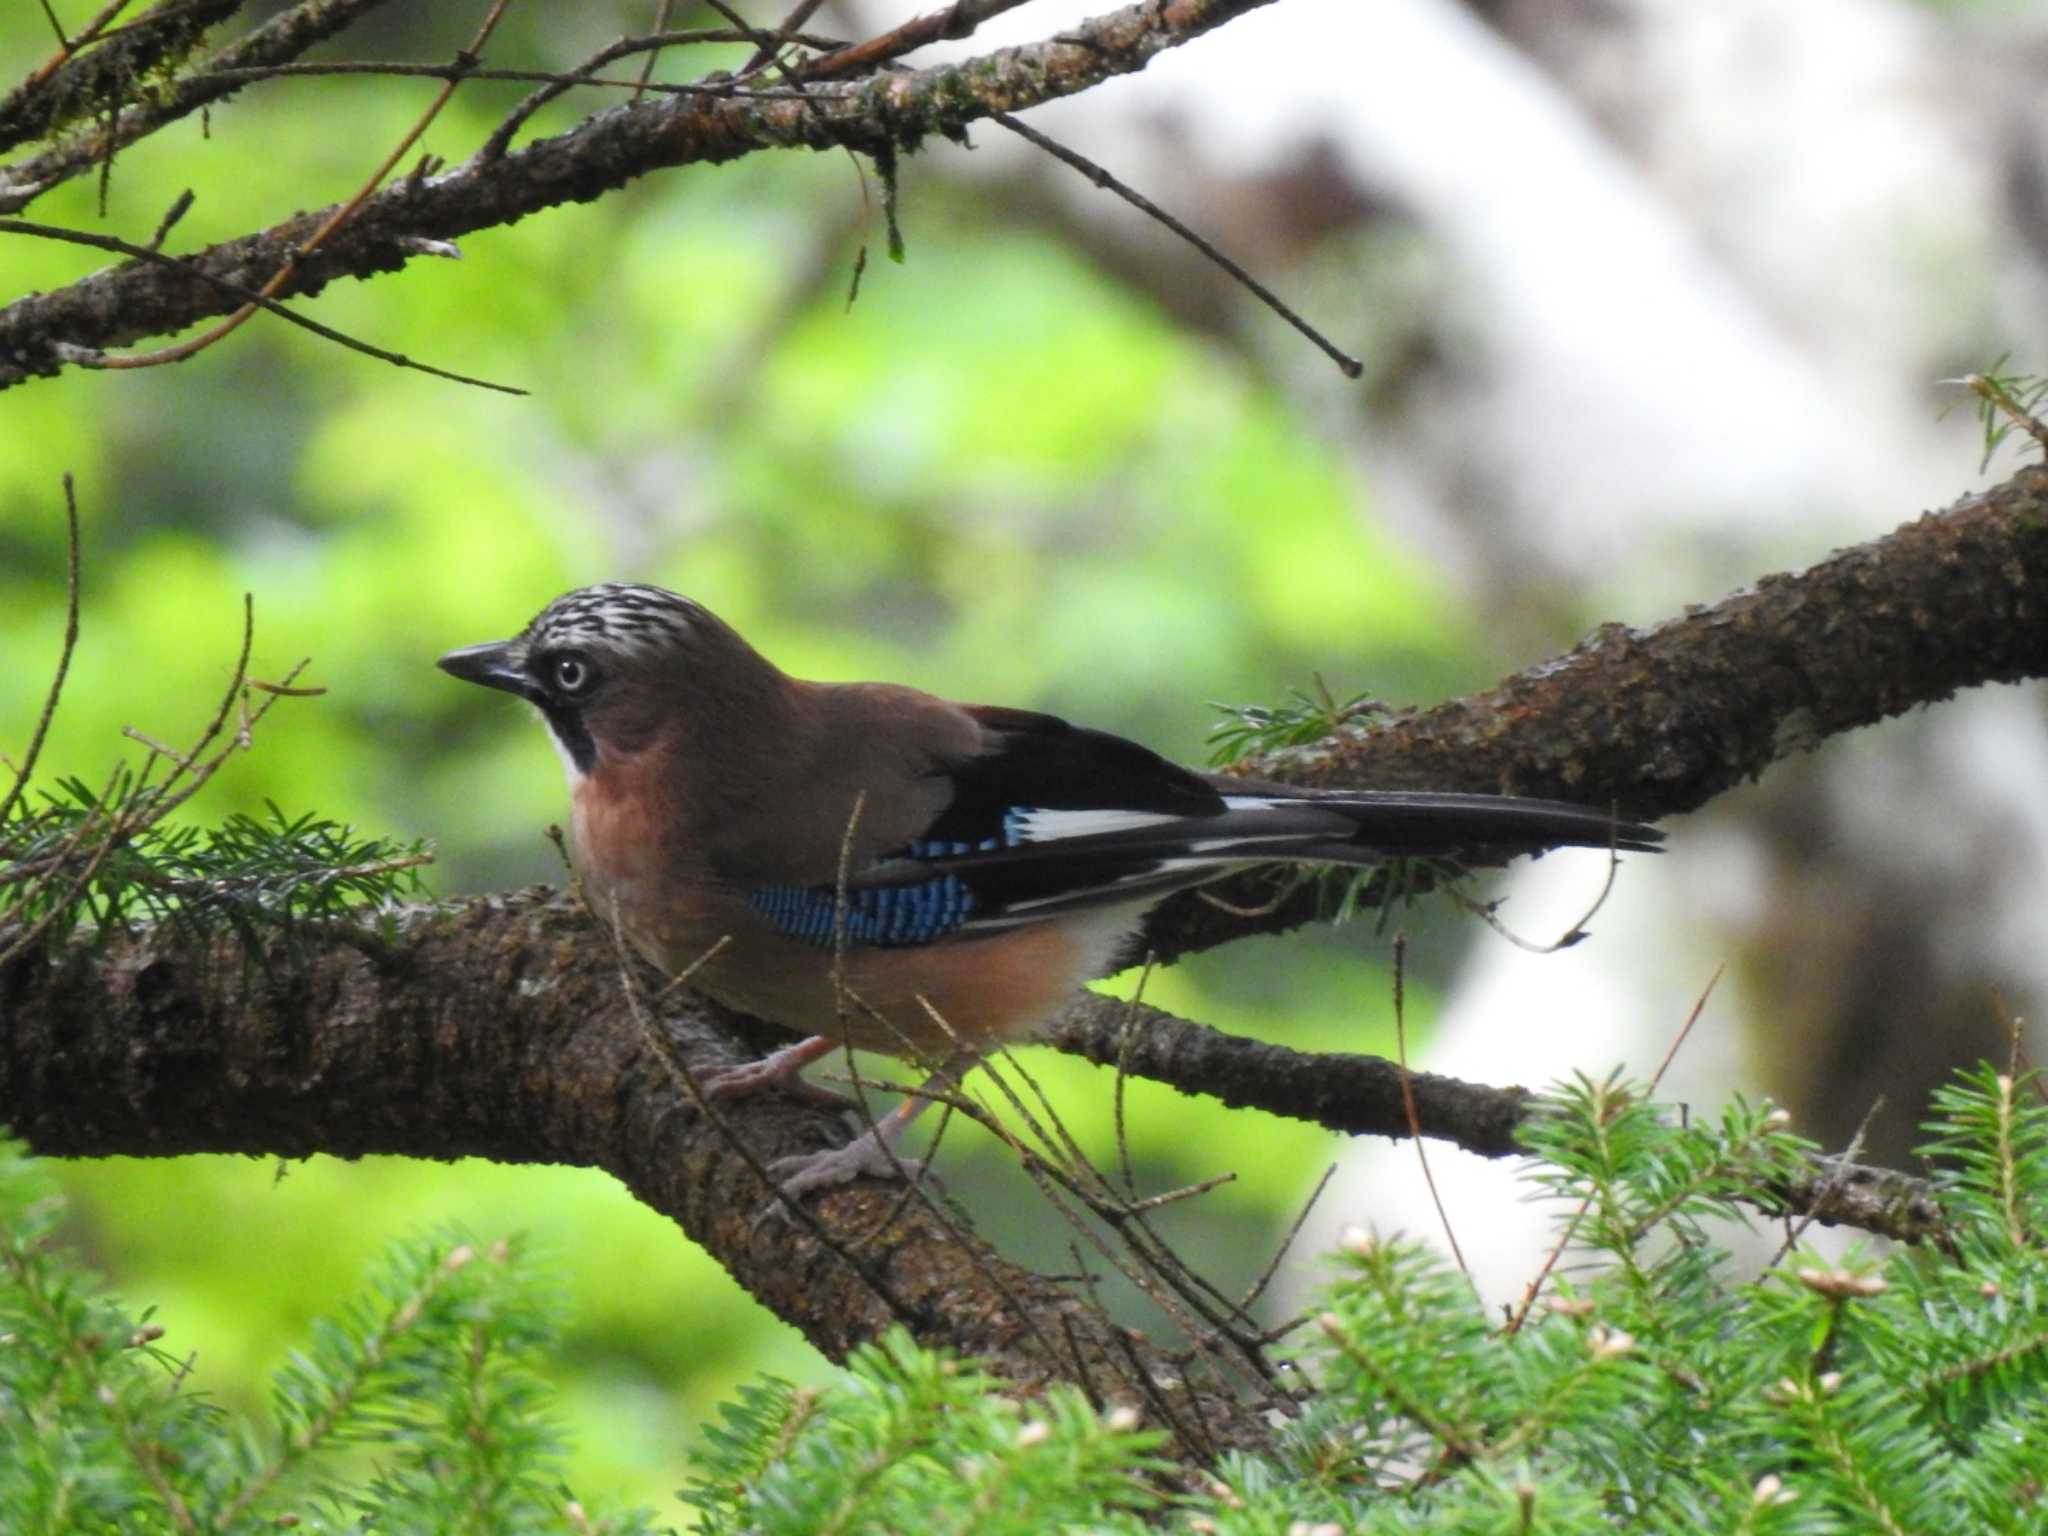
pixel 872 866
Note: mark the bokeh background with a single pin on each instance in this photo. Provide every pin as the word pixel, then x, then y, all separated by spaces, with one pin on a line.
pixel 1654 297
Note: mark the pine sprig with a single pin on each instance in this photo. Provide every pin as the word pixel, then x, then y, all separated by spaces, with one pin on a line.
pixel 1309 715
pixel 1662 1389
pixel 110 855
pixel 914 1440
pixel 1991 1145
pixel 433 1371
pixel 251 874
pixel 2006 401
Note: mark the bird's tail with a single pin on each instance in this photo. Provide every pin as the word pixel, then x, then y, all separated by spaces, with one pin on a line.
pixel 1370 826
pixel 1064 861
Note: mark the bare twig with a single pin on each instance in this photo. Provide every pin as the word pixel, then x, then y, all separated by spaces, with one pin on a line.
pixel 955 21
pixel 602 153
pixel 1408 1099
pixel 1348 365
pixel 70 644
pixel 662 12
pixel 765 50
pixel 67 47
pixel 1574 933
pixel 1265 1276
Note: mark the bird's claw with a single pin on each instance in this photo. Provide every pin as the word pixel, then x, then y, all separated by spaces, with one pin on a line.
pixel 865 1157
pixel 751 1077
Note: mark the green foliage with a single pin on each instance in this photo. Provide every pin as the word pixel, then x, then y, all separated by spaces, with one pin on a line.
pixel 415 1409
pixel 2005 401
pixel 913 1440
pixel 1663 1388
pixel 1249 730
pixel 98 855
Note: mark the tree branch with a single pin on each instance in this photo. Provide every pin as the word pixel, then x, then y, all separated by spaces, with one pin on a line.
pixel 99 73
pixel 501 1029
pixel 1658 721
pixel 1362 1096
pixel 894 111
pixel 283 37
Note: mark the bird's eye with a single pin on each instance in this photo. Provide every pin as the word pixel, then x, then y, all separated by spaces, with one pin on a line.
pixel 571 673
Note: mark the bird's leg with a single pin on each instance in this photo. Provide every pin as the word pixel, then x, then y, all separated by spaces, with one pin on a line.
pixel 873 1153
pixel 778 1069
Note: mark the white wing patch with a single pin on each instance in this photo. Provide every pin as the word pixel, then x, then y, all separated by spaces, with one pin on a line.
pixel 1028 824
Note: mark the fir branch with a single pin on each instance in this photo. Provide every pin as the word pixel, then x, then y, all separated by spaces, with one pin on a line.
pixel 1310 715
pixel 110 856
pixel 435 1375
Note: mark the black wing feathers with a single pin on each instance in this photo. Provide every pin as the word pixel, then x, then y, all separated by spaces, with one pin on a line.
pixel 1041 761
pixel 1055 818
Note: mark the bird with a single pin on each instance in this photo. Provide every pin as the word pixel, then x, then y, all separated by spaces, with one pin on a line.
pixel 873 866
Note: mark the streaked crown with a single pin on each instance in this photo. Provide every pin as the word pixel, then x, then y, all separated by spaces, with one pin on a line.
pixel 621 617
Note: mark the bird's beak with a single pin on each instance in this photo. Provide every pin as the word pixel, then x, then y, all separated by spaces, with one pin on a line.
pixel 497 665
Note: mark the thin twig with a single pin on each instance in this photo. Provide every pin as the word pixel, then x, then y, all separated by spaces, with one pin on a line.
pixel 1408 1098
pixel 1080 1179
pixel 661 17
pixel 180 205
pixel 1835 1180
pixel 763 52
pixel 1573 934
pixel 68 47
pixel 956 21
pixel 683 1076
pixel 35 744
pixel 1348 365
pixel 55 25
pixel 1123 1056
pixel 569 79
pixel 554 85
pixel 1265 1276
pixel 284 36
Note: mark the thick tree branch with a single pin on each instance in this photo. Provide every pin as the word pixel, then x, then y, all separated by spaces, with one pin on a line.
pixel 1659 721
pixel 502 1029
pixel 882 113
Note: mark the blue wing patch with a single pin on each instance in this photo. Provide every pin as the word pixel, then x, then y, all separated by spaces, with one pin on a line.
pixel 888 916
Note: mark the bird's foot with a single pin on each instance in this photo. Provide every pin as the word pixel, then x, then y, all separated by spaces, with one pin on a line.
pixel 778 1069
pixel 868 1156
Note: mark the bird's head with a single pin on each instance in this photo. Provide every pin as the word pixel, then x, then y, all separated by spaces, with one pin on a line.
pixel 610 665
